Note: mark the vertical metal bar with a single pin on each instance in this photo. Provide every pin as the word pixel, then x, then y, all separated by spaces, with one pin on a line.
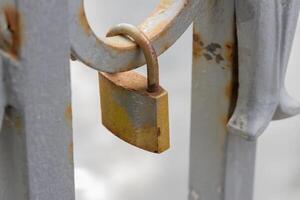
pixel 221 164
pixel 36 151
pixel 240 168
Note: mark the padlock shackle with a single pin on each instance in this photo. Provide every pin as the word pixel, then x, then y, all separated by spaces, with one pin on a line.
pixel 144 43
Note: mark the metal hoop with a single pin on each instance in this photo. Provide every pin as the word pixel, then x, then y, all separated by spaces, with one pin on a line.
pixel 163 28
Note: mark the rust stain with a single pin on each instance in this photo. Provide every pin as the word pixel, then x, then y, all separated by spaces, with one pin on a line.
pixel 224 120
pixel 83 21
pixel 14 26
pixel 197 45
pixel 71 153
pixel 167 46
pixel 229 53
pixel 211 51
pixel 18 125
pixel 122 122
pixel 156 31
pixel 162 7
pixel 231 93
pixel 228 90
pixel 13 120
pixel 68 114
pixel 161 28
pixel 153 31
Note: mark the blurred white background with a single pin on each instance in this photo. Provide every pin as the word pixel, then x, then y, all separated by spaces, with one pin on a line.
pixel 109 169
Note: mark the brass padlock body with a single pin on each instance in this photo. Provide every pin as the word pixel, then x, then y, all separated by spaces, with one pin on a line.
pixel 133 114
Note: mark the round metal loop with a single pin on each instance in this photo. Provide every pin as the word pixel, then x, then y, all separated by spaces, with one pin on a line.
pixel 143 42
pixel 163 27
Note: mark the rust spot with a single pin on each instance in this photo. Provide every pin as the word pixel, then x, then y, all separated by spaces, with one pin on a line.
pixel 68 114
pixel 12 120
pixel 224 120
pixel 229 53
pixel 71 153
pixel 160 29
pixel 83 21
pixel 228 90
pixel 211 51
pixel 18 125
pixel 197 45
pixel 13 18
pixel 231 93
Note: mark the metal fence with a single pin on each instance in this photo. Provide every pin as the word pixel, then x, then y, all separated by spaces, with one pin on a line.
pixel 240 55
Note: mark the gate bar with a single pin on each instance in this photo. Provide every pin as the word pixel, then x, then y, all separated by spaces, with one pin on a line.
pixel 36 151
pixel 221 164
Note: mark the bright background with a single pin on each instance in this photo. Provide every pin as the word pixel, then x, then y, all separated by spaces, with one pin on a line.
pixel 109 169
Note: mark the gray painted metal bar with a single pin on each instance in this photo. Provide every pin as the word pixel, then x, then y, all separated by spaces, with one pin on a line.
pixel 36 151
pixel 221 164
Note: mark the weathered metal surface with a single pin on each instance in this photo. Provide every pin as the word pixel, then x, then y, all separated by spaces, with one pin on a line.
pixel 132 113
pixel 36 140
pixel 265 33
pixel 221 164
pixel 133 107
pixel 5 35
pixel 36 137
pixel 10 28
pixel 266 47
pixel 163 27
pixel 261 94
pixel 143 42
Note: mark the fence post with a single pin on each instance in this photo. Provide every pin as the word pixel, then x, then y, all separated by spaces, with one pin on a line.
pixel 221 165
pixel 36 156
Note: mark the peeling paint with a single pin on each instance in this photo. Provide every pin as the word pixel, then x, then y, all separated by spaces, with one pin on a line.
pixel 223 55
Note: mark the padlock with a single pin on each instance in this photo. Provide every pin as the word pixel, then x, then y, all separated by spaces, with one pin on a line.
pixel 135 108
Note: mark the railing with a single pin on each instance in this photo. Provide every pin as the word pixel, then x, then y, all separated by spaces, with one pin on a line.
pixel 240 54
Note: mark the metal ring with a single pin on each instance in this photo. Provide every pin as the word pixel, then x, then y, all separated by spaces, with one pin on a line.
pixel 116 54
pixel 144 43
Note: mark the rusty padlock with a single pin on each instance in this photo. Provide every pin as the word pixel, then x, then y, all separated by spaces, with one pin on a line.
pixel 133 107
